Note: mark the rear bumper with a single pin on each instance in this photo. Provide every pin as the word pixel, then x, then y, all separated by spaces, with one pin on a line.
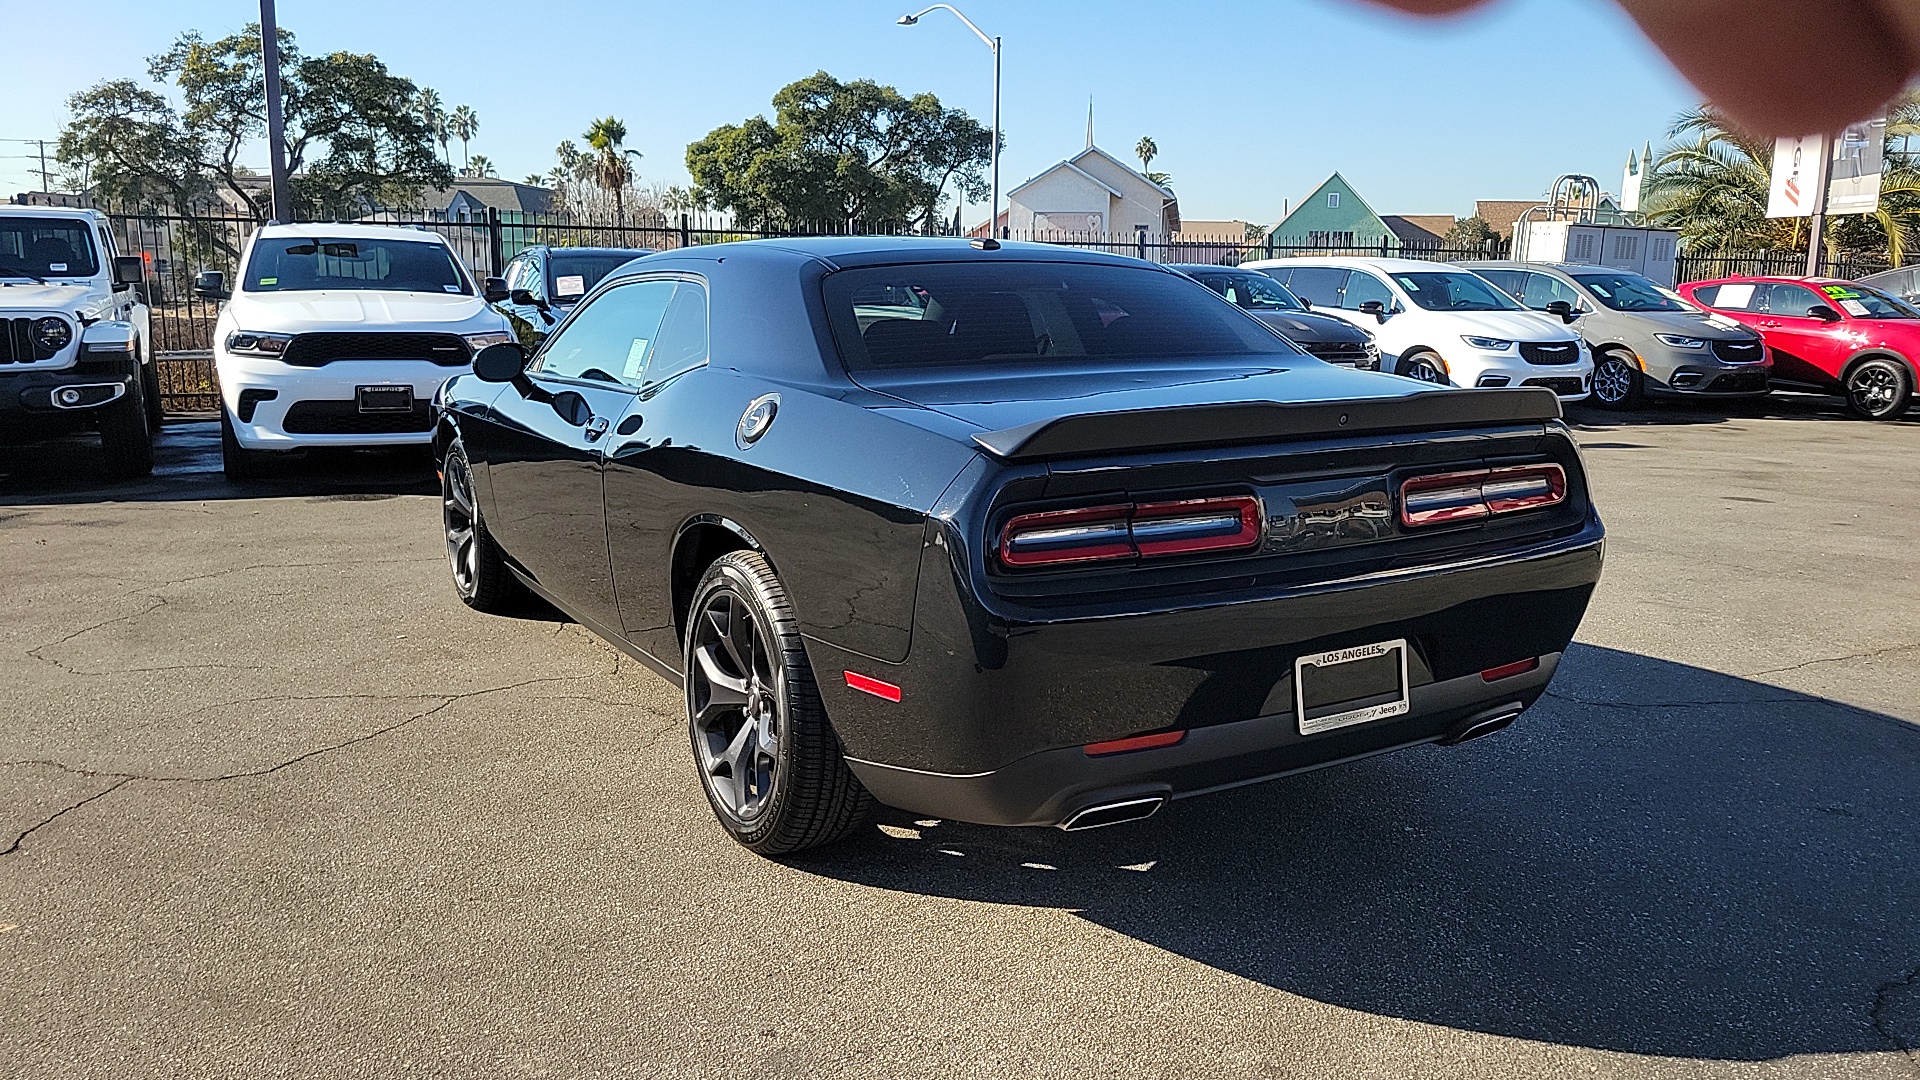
pixel 1052 787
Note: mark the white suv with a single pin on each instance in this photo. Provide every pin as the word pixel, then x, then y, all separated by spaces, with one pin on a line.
pixel 1440 323
pixel 340 335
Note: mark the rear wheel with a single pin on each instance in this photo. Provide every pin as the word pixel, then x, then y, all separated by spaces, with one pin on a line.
pixel 156 411
pixel 238 462
pixel 769 761
pixel 480 573
pixel 125 437
pixel 1423 366
pixel 1617 382
pixel 1879 389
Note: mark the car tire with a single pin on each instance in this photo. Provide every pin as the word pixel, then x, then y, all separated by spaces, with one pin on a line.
pixel 156 407
pixel 480 574
pixel 769 761
pixel 238 462
pixel 1424 366
pixel 1617 382
pixel 1879 389
pixel 126 440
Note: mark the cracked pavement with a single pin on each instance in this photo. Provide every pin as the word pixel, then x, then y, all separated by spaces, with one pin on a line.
pixel 272 803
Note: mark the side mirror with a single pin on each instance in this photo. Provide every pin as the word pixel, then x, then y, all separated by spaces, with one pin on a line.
pixel 1823 313
pixel 129 270
pixel 1305 303
pixel 500 363
pixel 525 298
pixel 495 290
pixel 1562 309
pixel 211 285
pixel 1374 308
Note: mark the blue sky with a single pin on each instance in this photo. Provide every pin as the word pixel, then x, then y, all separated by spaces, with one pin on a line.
pixel 1251 104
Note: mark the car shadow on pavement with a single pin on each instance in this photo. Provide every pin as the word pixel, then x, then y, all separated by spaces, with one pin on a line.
pixel 187 468
pixel 1656 859
pixel 1779 405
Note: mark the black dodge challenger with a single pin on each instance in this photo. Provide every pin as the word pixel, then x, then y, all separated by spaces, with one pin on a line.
pixel 1010 534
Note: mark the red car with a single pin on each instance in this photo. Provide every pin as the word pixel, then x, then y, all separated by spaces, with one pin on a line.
pixel 1828 335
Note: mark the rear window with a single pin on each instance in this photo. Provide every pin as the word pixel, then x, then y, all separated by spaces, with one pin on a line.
pixel 295 264
pixel 1002 313
pixel 570 276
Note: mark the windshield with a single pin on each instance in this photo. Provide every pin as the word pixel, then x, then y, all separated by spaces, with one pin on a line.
pixel 1255 292
pixel 570 276
pixel 1454 291
pixel 1033 312
pixel 1631 292
pixel 295 264
pixel 1864 303
pixel 46 247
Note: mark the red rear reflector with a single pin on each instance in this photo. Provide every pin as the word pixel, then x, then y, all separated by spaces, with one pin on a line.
pixel 1508 671
pixel 1469 496
pixel 1126 530
pixel 873 686
pixel 1136 742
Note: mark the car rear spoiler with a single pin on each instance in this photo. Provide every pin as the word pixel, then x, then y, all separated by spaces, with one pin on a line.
pixel 1267 421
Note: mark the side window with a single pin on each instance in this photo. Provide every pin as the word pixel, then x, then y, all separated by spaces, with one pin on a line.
pixel 1733 296
pixel 609 339
pixel 1220 284
pixel 1791 301
pixel 1318 285
pixel 1507 281
pixel 1544 289
pixel 683 335
pixel 1361 288
pixel 526 275
pixel 107 249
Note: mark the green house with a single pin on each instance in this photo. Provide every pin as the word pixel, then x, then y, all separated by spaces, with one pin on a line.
pixel 1334 216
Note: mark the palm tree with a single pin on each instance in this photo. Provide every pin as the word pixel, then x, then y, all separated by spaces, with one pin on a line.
pixel 479 165
pixel 463 124
pixel 1146 150
pixel 610 168
pixel 433 114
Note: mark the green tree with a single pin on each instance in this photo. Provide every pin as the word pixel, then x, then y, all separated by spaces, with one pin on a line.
pixel 480 165
pixel 463 124
pixel 1146 150
pixel 1469 234
pixel 355 133
pixel 434 115
pixel 853 154
pixel 610 166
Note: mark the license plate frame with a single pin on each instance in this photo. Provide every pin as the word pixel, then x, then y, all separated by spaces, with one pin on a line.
pixel 1354 695
pixel 384 398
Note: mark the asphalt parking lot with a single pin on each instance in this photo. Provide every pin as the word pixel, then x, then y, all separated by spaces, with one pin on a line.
pixel 272 803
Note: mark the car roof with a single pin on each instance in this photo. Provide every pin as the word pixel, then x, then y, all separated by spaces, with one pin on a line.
pixel 1201 268
pixel 335 230
pixel 10 210
pixel 1795 279
pixel 840 252
pixel 562 250
pixel 1565 268
pixel 1353 262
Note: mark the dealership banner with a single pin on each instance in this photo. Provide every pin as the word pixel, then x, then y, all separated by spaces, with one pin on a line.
pixel 1853 185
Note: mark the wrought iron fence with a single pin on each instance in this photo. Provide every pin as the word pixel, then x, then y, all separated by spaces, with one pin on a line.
pixel 177 247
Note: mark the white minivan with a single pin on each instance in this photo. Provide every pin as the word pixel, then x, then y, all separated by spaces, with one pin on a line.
pixel 1440 323
pixel 340 335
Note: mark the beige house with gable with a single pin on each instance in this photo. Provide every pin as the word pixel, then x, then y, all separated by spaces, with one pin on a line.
pixel 1091 192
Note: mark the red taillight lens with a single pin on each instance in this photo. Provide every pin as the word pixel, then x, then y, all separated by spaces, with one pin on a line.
pixel 1467 496
pixel 1136 742
pixel 1508 671
pixel 1123 531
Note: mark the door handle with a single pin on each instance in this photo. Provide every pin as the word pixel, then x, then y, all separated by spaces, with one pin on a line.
pixel 596 427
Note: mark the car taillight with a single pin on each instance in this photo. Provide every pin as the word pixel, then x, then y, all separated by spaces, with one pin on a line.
pixel 1127 530
pixel 1469 496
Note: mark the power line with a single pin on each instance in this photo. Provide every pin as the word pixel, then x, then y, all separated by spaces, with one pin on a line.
pixel 46 182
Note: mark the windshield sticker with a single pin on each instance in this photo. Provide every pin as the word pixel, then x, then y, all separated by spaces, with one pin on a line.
pixel 1408 284
pixel 1840 292
pixel 1854 308
pixel 269 281
pixel 636 359
pixel 451 288
pixel 1734 296
pixel 571 285
pixel 56 268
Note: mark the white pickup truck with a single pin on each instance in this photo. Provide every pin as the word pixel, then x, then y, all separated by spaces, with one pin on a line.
pixel 340 335
pixel 75 352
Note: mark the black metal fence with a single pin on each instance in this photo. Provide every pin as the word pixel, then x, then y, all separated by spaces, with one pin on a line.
pixel 177 247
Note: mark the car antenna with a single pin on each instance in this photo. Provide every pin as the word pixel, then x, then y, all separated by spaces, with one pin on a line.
pixel 988 244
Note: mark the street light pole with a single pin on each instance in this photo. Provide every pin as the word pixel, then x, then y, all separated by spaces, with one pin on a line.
pixel 993 206
pixel 276 130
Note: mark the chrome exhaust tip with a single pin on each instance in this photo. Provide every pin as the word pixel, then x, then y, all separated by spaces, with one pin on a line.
pixel 1481 726
pixel 1104 814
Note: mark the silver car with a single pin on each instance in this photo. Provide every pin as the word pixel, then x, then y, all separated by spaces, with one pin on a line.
pixel 1647 341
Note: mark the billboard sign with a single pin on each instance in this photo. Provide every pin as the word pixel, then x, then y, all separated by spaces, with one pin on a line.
pixel 1853 185
pixel 1796 172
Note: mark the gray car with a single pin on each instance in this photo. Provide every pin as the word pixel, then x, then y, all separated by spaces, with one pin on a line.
pixel 1647 341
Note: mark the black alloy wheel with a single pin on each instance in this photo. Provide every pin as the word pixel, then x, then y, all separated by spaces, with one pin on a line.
pixel 126 439
pixel 480 574
pixel 1616 382
pixel 1423 366
pixel 238 462
pixel 1879 389
pixel 770 764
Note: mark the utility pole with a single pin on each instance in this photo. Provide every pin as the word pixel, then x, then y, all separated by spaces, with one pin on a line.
pixel 45 184
pixel 1823 175
pixel 276 131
